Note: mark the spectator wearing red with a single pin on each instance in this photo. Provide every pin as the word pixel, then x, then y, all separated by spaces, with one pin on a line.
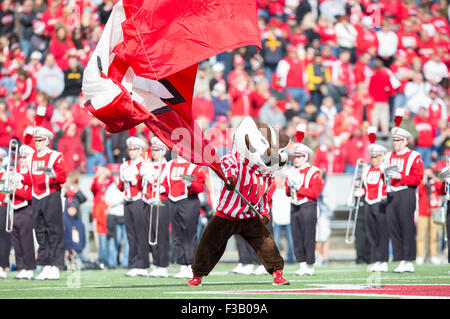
pixel 403 72
pixel 362 70
pixel 366 40
pixel 437 110
pixel 60 46
pixel 25 121
pixel 53 15
pixel 328 57
pixel 280 92
pixel 292 72
pixel 342 78
pixel 282 29
pixel 72 149
pixel 329 157
pixel 26 85
pixel 220 136
pixel 362 104
pixel 426 134
pixel 93 138
pixel 426 46
pixel 202 106
pixel 355 148
pixel 16 106
pixel 344 123
pixel 6 125
pixel 297 37
pixel 327 32
pixel 237 72
pixel 407 38
pixel 439 22
pixel 379 89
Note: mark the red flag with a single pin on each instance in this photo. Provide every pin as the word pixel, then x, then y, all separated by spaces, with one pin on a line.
pixel 144 67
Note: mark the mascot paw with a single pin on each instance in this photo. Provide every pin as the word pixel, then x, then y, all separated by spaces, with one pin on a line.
pixel 230 184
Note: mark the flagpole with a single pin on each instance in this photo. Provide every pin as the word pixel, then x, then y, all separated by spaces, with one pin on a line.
pixel 249 204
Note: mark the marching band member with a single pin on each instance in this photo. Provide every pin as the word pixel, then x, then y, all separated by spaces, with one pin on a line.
pixel 374 193
pixel 160 219
pixel 46 176
pixel 404 170
pixel 22 234
pixel 444 176
pixel 135 214
pixel 185 181
pixel 5 237
pixel 304 185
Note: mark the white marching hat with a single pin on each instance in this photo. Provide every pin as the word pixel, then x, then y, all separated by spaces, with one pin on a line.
pixel 25 150
pixel 300 149
pixel 374 149
pixel 135 142
pixel 158 144
pixel 3 153
pixel 42 133
pixel 397 132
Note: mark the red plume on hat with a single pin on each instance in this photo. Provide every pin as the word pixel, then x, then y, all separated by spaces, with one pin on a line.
pixel 398 117
pixel 301 131
pixel 372 132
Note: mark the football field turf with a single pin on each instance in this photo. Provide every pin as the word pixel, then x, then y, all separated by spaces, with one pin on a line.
pixel 330 281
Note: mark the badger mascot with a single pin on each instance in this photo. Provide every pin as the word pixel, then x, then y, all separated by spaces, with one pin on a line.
pixel 258 151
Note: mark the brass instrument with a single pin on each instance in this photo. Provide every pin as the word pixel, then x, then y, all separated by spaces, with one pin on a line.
pixel 156 202
pixel 357 184
pixel 10 183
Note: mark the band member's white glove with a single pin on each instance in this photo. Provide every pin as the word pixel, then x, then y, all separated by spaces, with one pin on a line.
pixel 129 175
pixel 394 175
pixel 358 192
pixel 146 168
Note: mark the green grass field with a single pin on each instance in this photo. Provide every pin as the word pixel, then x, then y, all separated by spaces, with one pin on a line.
pixel 100 284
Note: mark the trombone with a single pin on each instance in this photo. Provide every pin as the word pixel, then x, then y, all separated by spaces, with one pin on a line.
pixel 10 184
pixel 357 184
pixel 156 202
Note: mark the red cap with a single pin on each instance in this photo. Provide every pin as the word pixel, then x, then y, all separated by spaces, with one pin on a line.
pixel 238 60
pixel 435 6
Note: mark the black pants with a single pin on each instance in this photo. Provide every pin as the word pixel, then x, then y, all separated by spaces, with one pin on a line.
pixel 377 231
pixel 400 209
pixel 303 227
pixel 49 229
pixel 184 218
pixel 22 238
pixel 362 244
pixel 160 251
pixel 246 253
pixel 5 239
pixel 136 224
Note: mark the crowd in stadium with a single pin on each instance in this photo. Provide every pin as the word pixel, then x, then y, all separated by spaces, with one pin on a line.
pixel 338 66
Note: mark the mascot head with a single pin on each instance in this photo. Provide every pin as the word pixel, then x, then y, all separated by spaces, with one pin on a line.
pixel 261 144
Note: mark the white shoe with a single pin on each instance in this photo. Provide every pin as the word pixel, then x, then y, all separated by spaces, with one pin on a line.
pixel 419 261
pixel 309 270
pixel 408 267
pixel 260 271
pixel 382 267
pixel 247 269
pixel 2 273
pixel 400 268
pixel 435 260
pixel 373 267
pixel 159 272
pixel 185 272
pixel 301 270
pixel 237 269
pixel 43 275
pixel 132 273
pixel 53 273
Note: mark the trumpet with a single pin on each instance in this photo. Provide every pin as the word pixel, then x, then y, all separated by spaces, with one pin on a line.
pixel 10 183
pixel 158 203
pixel 357 184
